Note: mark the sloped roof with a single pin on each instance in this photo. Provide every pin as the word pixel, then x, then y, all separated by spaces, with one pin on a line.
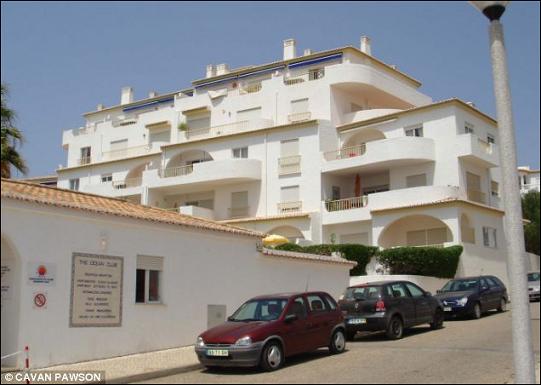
pixel 53 196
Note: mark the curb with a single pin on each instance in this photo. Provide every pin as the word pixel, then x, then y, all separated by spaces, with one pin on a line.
pixel 150 375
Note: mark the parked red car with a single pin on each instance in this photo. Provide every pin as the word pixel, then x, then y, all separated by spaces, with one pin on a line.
pixel 267 329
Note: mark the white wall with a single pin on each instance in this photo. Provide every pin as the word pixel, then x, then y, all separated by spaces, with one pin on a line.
pixel 200 268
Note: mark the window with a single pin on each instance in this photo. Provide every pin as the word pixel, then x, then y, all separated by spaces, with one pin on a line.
pixel 491 139
pixel 416 180
pixel 74 184
pixel 106 178
pixel 250 114
pixel 198 122
pixel 335 193
pixel 489 237
pixel 240 152
pixel 148 279
pixel 163 135
pixel 317 304
pixel 85 155
pixel 299 106
pixel 495 189
pixel 289 194
pixel 330 302
pixel 468 128
pixel 414 131
pixel 289 148
pixel 316 73
pixel 415 291
pixel 491 282
pixel 298 308
pixel 397 290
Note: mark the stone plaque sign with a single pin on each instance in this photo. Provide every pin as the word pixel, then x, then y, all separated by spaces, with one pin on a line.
pixel 96 290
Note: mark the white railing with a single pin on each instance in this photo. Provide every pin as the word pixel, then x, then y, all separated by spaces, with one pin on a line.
pixel 477 196
pixel 301 77
pixel 126 152
pixel 239 212
pixel 289 165
pixel 347 204
pixel 127 183
pixel 250 88
pixel 230 128
pixel 485 146
pixel 346 152
pixel 289 207
pixel 84 160
pixel 299 117
pixel 169 172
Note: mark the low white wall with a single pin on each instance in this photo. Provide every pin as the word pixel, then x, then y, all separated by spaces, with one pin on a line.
pixel 201 268
pixel 430 284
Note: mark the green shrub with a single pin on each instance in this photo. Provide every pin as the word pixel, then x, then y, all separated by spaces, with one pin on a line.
pixel 352 252
pixel 427 261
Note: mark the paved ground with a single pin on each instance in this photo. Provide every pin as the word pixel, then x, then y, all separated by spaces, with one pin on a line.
pixel 463 352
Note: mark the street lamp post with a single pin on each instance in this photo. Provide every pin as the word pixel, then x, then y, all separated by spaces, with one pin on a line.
pixel 516 261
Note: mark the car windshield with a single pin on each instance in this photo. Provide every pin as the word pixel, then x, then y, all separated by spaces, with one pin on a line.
pixel 362 293
pixel 259 310
pixel 461 285
pixel 533 277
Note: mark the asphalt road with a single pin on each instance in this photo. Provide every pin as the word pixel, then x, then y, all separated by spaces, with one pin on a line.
pixel 465 351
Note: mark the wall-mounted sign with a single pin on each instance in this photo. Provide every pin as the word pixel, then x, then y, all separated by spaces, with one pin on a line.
pixel 40 301
pixel 96 290
pixel 41 274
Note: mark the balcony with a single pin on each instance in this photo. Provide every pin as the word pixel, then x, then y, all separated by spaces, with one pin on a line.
pixel 359 116
pixel 204 175
pixel 477 196
pixel 117 188
pixel 84 160
pixel 476 150
pixel 289 207
pixel 289 165
pixel 127 183
pixel 304 76
pixel 378 154
pixel 230 128
pixel 359 208
pixel 130 152
pixel 196 211
pixel 299 117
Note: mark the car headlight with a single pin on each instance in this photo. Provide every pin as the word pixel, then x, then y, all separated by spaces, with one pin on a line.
pixel 463 301
pixel 200 343
pixel 244 341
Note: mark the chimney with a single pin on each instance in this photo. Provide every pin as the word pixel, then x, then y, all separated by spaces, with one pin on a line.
pixel 152 94
pixel 127 95
pixel 289 49
pixel 307 52
pixel 211 70
pixel 471 104
pixel 100 107
pixel 365 45
pixel 222 69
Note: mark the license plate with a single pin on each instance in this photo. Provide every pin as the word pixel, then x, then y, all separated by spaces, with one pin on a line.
pixel 447 309
pixel 357 321
pixel 217 353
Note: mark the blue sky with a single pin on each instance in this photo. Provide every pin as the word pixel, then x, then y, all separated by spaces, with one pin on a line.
pixel 62 59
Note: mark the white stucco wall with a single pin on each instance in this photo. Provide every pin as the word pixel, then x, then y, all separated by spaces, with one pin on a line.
pixel 200 268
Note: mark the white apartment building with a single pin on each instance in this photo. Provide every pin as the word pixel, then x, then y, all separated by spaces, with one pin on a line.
pixel 528 179
pixel 332 146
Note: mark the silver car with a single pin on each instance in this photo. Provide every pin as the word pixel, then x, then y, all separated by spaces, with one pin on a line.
pixel 533 285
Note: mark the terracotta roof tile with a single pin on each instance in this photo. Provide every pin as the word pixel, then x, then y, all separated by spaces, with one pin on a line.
pixel 31 192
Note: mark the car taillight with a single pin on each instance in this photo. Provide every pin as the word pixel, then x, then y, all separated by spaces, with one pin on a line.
pixel 380 305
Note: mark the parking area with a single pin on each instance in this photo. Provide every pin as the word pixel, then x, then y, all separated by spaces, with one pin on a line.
pixel 464 351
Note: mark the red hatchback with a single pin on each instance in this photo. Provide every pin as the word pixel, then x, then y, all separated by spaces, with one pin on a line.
pixel 267 329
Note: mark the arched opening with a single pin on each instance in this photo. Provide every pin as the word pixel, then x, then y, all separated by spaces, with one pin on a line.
pixel 467 230
pixel 11 273
pixel 362 137
pixel 293 234
pixel 134 177
pixel 415 230
pixel 188 158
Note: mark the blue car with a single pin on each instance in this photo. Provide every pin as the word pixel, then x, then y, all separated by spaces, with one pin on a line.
pixel 473 296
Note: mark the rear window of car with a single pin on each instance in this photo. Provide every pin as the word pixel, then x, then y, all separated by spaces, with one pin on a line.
pixel 533 277
pixel 363 292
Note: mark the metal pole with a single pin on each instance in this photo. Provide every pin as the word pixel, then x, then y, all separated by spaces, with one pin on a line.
pixel 516 254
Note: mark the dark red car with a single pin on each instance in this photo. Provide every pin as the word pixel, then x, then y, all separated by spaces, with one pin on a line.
pixel 267 329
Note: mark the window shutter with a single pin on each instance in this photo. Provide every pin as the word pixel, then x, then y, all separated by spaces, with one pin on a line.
pixel 299 106
pixel 145 262
pixel 290 194
pixel 250 114
pixel 119 145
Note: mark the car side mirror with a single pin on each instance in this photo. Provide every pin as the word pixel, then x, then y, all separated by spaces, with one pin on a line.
pixel 291 318
pixel 483 289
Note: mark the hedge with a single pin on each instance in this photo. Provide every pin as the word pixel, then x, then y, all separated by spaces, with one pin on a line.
pixel 352 252
pixel 427 261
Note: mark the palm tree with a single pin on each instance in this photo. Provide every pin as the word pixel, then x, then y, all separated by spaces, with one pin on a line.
pixel 11 138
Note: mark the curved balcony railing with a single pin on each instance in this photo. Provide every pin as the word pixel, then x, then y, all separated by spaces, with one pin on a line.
pixel 127 183
pixel 346 204
pixel 346 152
pixel 170 172
pixel 290 207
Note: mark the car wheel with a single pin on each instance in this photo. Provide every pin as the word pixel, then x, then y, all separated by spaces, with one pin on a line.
pixel 351 336
pixel 338 342
pixel 437 322
pixel 503 305
pixel 476 312
pixel 272 357
pixel 395 329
